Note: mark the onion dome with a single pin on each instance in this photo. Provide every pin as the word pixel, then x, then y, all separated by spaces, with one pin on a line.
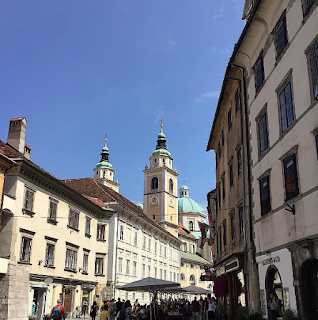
pixel 104 161
pixel 186 204
pixel 161 148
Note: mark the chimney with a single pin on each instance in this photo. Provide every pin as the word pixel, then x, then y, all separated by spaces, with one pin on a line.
pixel 16 135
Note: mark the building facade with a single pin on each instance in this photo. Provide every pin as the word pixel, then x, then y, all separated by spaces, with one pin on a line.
pixel 279 52
pixel 54 238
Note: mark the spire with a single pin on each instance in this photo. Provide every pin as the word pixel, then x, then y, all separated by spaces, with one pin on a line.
pixel 104 160
pixel 161 147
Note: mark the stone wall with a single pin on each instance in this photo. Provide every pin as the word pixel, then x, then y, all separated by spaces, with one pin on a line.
pixel 14 288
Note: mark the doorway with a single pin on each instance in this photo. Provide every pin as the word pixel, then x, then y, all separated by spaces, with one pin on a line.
pixel 274 285
pixel 38 304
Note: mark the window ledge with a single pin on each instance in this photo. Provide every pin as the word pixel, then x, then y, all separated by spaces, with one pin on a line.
pixel 70 270
pixel 293 199
pixel 99 275
pixel 101 240
pixel 28 212
pixel 87 235
pixel 70 227
pixel 85 273
pixel 52 221
pixel 25 262
pixel 50 267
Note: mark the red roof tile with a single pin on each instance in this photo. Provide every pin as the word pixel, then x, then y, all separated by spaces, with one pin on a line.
pixel 93 188
pixel 183 230
pixel 96 201
pixel 9 151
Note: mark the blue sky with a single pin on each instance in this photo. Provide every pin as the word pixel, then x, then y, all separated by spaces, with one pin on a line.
pixel 79 69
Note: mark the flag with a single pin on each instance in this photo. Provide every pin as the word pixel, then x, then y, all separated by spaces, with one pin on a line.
pixel 201 242
pixel 204 229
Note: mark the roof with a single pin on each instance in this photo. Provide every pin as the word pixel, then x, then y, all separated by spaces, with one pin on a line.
pixel 9 151
pixel 184 187
pixel 196 234
pixel 186 204
pixel 194 257
pixel 184 231
pixel 18 118
pixel 93 188
pixel 96 201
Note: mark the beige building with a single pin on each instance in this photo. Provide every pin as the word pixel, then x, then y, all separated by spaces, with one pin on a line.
pixel 55 239
pixel 279 53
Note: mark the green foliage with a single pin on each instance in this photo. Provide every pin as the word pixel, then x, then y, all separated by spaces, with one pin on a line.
pixel 255 316
pixel 289 314
pixel 242 313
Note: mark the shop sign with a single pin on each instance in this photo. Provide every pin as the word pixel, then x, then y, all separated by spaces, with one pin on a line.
pixel 271 260
pixel 231 266
pixel 220 271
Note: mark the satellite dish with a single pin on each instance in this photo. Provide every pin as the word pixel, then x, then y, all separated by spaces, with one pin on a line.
pixel 48 280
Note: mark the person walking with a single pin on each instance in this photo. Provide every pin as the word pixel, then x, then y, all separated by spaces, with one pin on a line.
pixel 119 305
pixel 104 314
pixel 273 307
pixel 128 308
pixel 85 307
pixel 112 309
pixel 195 307
pixel 94 309
pixel 57 313
pixel 211 308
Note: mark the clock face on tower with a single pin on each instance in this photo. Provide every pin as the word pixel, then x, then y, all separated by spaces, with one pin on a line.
pixel 154 200
pixel 171 202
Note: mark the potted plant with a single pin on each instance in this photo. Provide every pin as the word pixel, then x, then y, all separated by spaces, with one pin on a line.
pixel 289 314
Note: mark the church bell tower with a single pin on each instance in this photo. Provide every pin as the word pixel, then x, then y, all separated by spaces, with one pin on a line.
pixel 161 187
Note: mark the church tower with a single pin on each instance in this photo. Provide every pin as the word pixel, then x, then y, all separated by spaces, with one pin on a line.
pixel 161 187
pixel 104 171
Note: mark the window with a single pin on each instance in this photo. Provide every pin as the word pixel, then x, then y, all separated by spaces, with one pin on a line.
pixel 25 249
pixel 291 178
pixel 171 253
pixel 170 186
pixel 120 265
pixel 192 280
pixel 237 100
pixel 99 263
pixel 165 274
pixel 154 183
pixel 286 107
pixel 313 66
pixel 73 219
pixel 174 277
pixel 232 228
pixel 224 233
pixel 265 195
pixel 143 270
pixel 134 268
pixel 229 119
pixel 191 225
pixel 280 35
pixel 223 189
pixel 144 242
pixel 220 240
pixel 160 249
pixel 49 258
pixel 127 267
pixel 165 250
pixel 121 233
pixel 262 133
pixel 100 232
pixel 219 195
pixel 28 199
pixel 161 274
pixel 85 262
pixel 156 272
pixel 241 221
pixel 52 209
pixel 149 271
pixel 307 4
pixel 259 73
pixel 149 244
pixel 231 174
pixel 170 275
pixel 71 259
pixel 184 246
pixel 182 277
pixel 222 138
pixel 88 226
pixel 136 238
pixel 239 161
pixel 156 247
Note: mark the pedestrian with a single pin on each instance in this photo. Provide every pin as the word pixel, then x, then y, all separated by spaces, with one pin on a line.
pixel 94 309
pixel 104 314
pixel 128 308
pixel 85 307
pixel 57 313
pixel 119 305
pixel 211 308
pixel 195 307
pixel 103 306
pixel 112 309
pixel 273 307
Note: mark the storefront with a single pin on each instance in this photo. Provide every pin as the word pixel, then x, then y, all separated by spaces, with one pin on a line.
pixel 276 277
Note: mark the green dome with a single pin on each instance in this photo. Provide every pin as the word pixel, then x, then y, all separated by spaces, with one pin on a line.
pixel 184 187
pixel 140 205
pixel 104 164
pixel 186 204
pixel 161 151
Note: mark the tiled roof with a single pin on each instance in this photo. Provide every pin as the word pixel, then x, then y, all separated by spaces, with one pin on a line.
pixel 96 201
pixel 183 230
pixel 9 151
pixel 194 257
pixel 93 188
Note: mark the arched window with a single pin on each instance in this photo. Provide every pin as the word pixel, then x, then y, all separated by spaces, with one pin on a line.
pixel 192 280
pixel 154 183
pixel 170 186
pixel 191 225
pixel 182 277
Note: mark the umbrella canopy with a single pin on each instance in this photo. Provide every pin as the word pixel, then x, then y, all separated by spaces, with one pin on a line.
pixel 172 290
pixel 148 284
pixel 196 290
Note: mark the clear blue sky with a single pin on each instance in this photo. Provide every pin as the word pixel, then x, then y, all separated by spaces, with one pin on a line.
pixel 79 69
